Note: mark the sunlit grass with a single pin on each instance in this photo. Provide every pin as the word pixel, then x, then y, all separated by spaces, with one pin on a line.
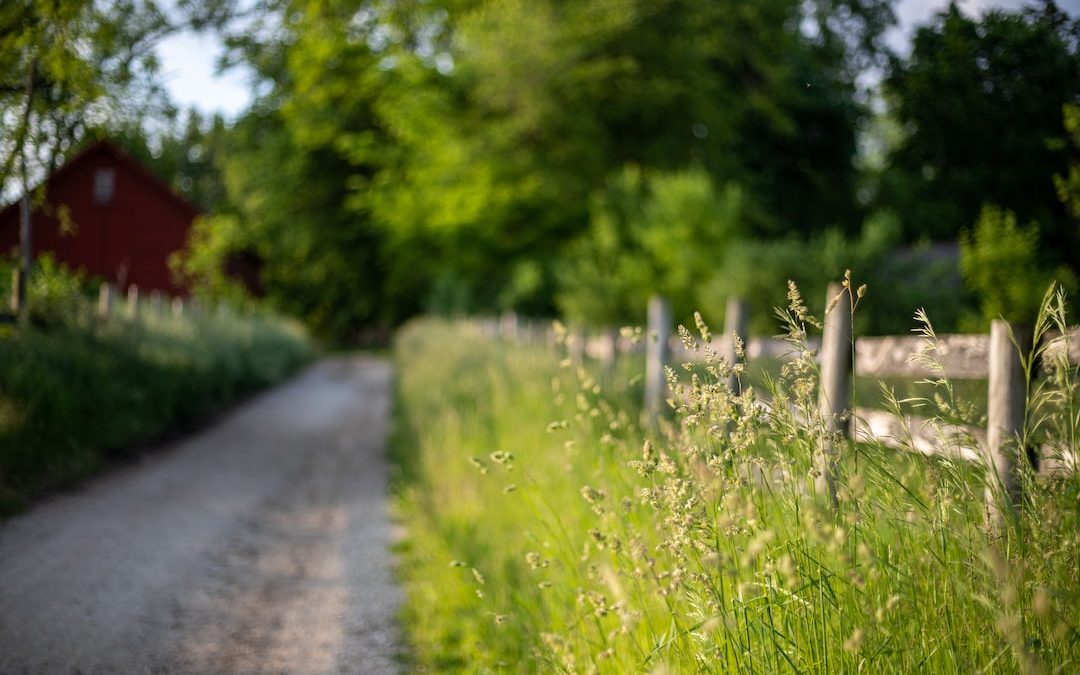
pixel 546 535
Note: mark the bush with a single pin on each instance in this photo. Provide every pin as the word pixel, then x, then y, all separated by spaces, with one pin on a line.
pixel 1000 263
pixel 649 233
pixel 677 235
pixel 914 277
pixel 54 292
pixel 78 393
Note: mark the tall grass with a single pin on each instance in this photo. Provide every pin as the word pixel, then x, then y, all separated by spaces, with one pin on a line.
pixel 78 391
pixel 548 533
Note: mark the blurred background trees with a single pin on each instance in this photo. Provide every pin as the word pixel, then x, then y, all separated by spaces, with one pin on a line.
pixel 981 105
pixel 551 156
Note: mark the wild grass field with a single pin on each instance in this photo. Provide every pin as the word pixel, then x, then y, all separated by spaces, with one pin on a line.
pixel 78 391
pixel 547 531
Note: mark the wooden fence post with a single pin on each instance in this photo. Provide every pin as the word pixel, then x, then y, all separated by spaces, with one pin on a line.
pixel 177 306
pixel 736 319
pixel 105 298
pixel 133 301
pixel 508 326
pixel 16 290
pixel 575 345
pixel 26 246
pixel 833 398
pixel 656 358
pixel 1005 420
pixel 610 351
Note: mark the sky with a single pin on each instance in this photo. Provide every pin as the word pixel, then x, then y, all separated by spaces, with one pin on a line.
pixel 189 60
pixel 188 65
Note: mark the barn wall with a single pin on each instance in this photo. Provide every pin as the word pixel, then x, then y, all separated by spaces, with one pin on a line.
pixel 127 240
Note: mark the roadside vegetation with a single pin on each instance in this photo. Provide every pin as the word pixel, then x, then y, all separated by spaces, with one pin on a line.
pixel 79 391
pixel 548 532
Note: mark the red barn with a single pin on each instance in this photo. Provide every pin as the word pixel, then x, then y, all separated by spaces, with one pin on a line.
pixel 125 221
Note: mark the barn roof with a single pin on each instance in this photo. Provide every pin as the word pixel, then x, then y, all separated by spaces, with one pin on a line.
pixel 133 165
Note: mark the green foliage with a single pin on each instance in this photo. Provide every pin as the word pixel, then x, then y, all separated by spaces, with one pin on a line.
pixel 460 142
pixel 186 155
pixel 203 262
pixel 899 280
pixel 605 279
pixel 980 102
pixel 54 292
pixel 69 65
pixel 686 227
pixel 674 234
pixel 77 392
pixel 659 233
pixel 319 261
pixel 999 260
pixel 1068 184
pixel 545 534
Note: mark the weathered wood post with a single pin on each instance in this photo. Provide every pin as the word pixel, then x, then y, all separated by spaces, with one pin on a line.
pixel 575 345
pixel 834 395
pixel 105 298
pixel 1005 420
pixel 550 335
pixel 656 358
pixel 133 301
pixel 508 325
pixel 609 351
pixel 16 291
pixel 736 319
pixel 178 306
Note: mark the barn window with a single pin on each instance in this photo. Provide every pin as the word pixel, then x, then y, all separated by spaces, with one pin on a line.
pixel 104 185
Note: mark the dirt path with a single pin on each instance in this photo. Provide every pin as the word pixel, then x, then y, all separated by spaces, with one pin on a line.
pixel 258 546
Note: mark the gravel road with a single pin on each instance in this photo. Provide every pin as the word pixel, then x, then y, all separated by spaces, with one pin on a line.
pixel 256 546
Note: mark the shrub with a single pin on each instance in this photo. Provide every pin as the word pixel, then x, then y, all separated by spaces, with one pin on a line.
pixel 79 392
pixel 999 260
pixel 650 232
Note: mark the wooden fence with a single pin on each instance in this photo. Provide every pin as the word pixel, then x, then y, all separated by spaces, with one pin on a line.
pixel 994 357
pixel 134 303
pixel 108 304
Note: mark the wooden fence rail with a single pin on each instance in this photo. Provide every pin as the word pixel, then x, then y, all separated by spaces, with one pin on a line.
pixel 994 357
pixel 964 357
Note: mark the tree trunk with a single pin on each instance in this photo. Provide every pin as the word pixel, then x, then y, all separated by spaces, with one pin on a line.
pixel 26 249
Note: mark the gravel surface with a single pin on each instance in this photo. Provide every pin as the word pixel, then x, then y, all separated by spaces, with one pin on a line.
pixel 258 546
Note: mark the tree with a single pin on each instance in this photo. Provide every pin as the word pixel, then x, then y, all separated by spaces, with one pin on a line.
pixel 467 137
pixel 980 102
pixel 483 127
pixel 285 211
pixel 186 154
